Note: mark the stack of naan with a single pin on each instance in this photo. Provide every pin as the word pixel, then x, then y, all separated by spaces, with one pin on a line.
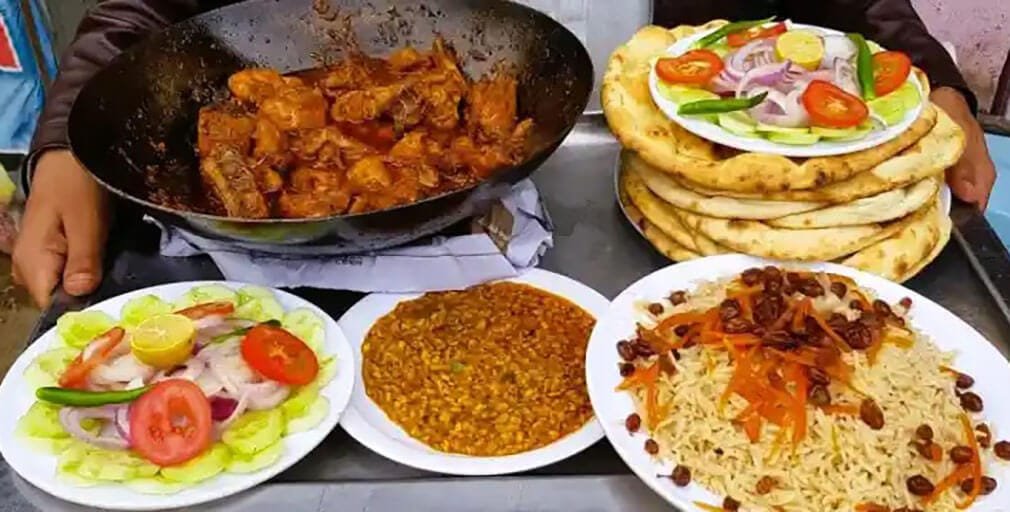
pixel 877 210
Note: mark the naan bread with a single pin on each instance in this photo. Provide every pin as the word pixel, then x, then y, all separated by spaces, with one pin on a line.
pixel 759 239
pixel 667 188
pixel 930 156
pixel 895 258
pixel 883 207
pixel 945 227
pixel 663 216
pixel 656 237
pixel 640 126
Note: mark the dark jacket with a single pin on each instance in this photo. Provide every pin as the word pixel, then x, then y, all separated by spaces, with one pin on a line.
pixel 114 25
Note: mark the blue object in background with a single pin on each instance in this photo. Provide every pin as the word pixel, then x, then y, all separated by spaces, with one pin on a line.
pixel 998 213
pixel 22 88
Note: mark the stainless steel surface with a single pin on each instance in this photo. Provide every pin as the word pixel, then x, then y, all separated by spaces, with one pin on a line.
pixel 594 244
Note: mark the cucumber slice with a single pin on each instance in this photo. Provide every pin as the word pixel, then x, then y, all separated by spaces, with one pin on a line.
pixel 47 445
pixel 204 294
pixel 258 304
pixel 306 326
pixel 140 309
pixel 41 421
pixel 842 134
pixel 46 368
pixel 298 404
pixel 313 417
pixel 207 465
pixel 78 328
pixel 114 466
pixel 795 139
pixel 154 485
pixel 684 94
pixel 327 370
pixel 252 463
pixel 254 431
pixel 770 128
pixel 738 123
pixel 893 107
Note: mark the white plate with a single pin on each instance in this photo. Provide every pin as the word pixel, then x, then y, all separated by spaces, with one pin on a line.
pixel 366 422
pixel 40 470
pixel 975 356
pixel 945 198
pixel 716 133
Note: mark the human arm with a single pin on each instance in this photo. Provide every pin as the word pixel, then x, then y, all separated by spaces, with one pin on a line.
pixel 66 217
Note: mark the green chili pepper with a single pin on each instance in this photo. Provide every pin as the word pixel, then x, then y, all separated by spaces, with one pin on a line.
pixel 718 106
pixel 240 331
pixel 731 28
pixel 864 66
pixel 80 398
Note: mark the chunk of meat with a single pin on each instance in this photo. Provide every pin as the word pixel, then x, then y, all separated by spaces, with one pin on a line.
pixel 408 59
pixel 369 175
pixel 407 111
pixel 271 145
pixel 354 72
pixel 233 182
pixel 218 125
pixel 313 193
pixel 365 104
pixel 329 145
pixel 442 88
pixel 491 108
pixel 295 108
pixel 268 180
pixel 257 84
pixel 417 151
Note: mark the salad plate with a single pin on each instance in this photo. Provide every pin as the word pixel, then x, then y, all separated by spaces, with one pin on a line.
pixel 786 69
pixel 365 421
pixel 83 440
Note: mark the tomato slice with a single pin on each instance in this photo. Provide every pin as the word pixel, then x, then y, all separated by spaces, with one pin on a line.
pixel 831 107
pixel 890 70
pixel 76 374
pixel 694 67
pixel 738 39
pixel 206 309
pixel 171 423
pixel 279 355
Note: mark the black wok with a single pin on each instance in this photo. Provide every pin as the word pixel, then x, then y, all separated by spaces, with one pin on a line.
pixel 133 126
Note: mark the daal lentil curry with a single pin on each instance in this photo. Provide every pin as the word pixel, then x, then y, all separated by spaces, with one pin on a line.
pixel 493 370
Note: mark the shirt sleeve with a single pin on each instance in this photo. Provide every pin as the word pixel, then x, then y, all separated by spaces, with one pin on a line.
pixel 893 24
pixel 106 30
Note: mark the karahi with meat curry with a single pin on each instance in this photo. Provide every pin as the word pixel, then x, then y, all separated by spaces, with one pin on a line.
pixel 365 134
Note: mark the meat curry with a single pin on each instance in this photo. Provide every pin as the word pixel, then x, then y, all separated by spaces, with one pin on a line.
pixel 366 134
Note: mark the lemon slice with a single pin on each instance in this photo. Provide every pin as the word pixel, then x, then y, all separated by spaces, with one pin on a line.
pixel 163 341
pixel 803 47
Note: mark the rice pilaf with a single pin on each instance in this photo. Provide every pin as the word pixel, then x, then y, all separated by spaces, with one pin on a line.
pixel 820 399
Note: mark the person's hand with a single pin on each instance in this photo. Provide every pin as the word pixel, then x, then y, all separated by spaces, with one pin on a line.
pixel 972 177
pixel 63 231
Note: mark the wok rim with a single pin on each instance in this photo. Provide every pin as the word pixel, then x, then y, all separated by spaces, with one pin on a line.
pixel 542 155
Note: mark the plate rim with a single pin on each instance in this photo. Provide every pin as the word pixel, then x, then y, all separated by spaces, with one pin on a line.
pixel 704 129
pixel 338 392
pixel 612 428
pixel 354 423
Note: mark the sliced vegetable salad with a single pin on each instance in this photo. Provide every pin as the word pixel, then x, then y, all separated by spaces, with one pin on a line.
pixel 789 85
pixel 172 394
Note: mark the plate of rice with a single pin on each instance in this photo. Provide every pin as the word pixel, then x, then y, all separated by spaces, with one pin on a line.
pixel 735 383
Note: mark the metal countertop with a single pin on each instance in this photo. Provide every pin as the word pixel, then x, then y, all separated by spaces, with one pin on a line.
pixel 593 244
